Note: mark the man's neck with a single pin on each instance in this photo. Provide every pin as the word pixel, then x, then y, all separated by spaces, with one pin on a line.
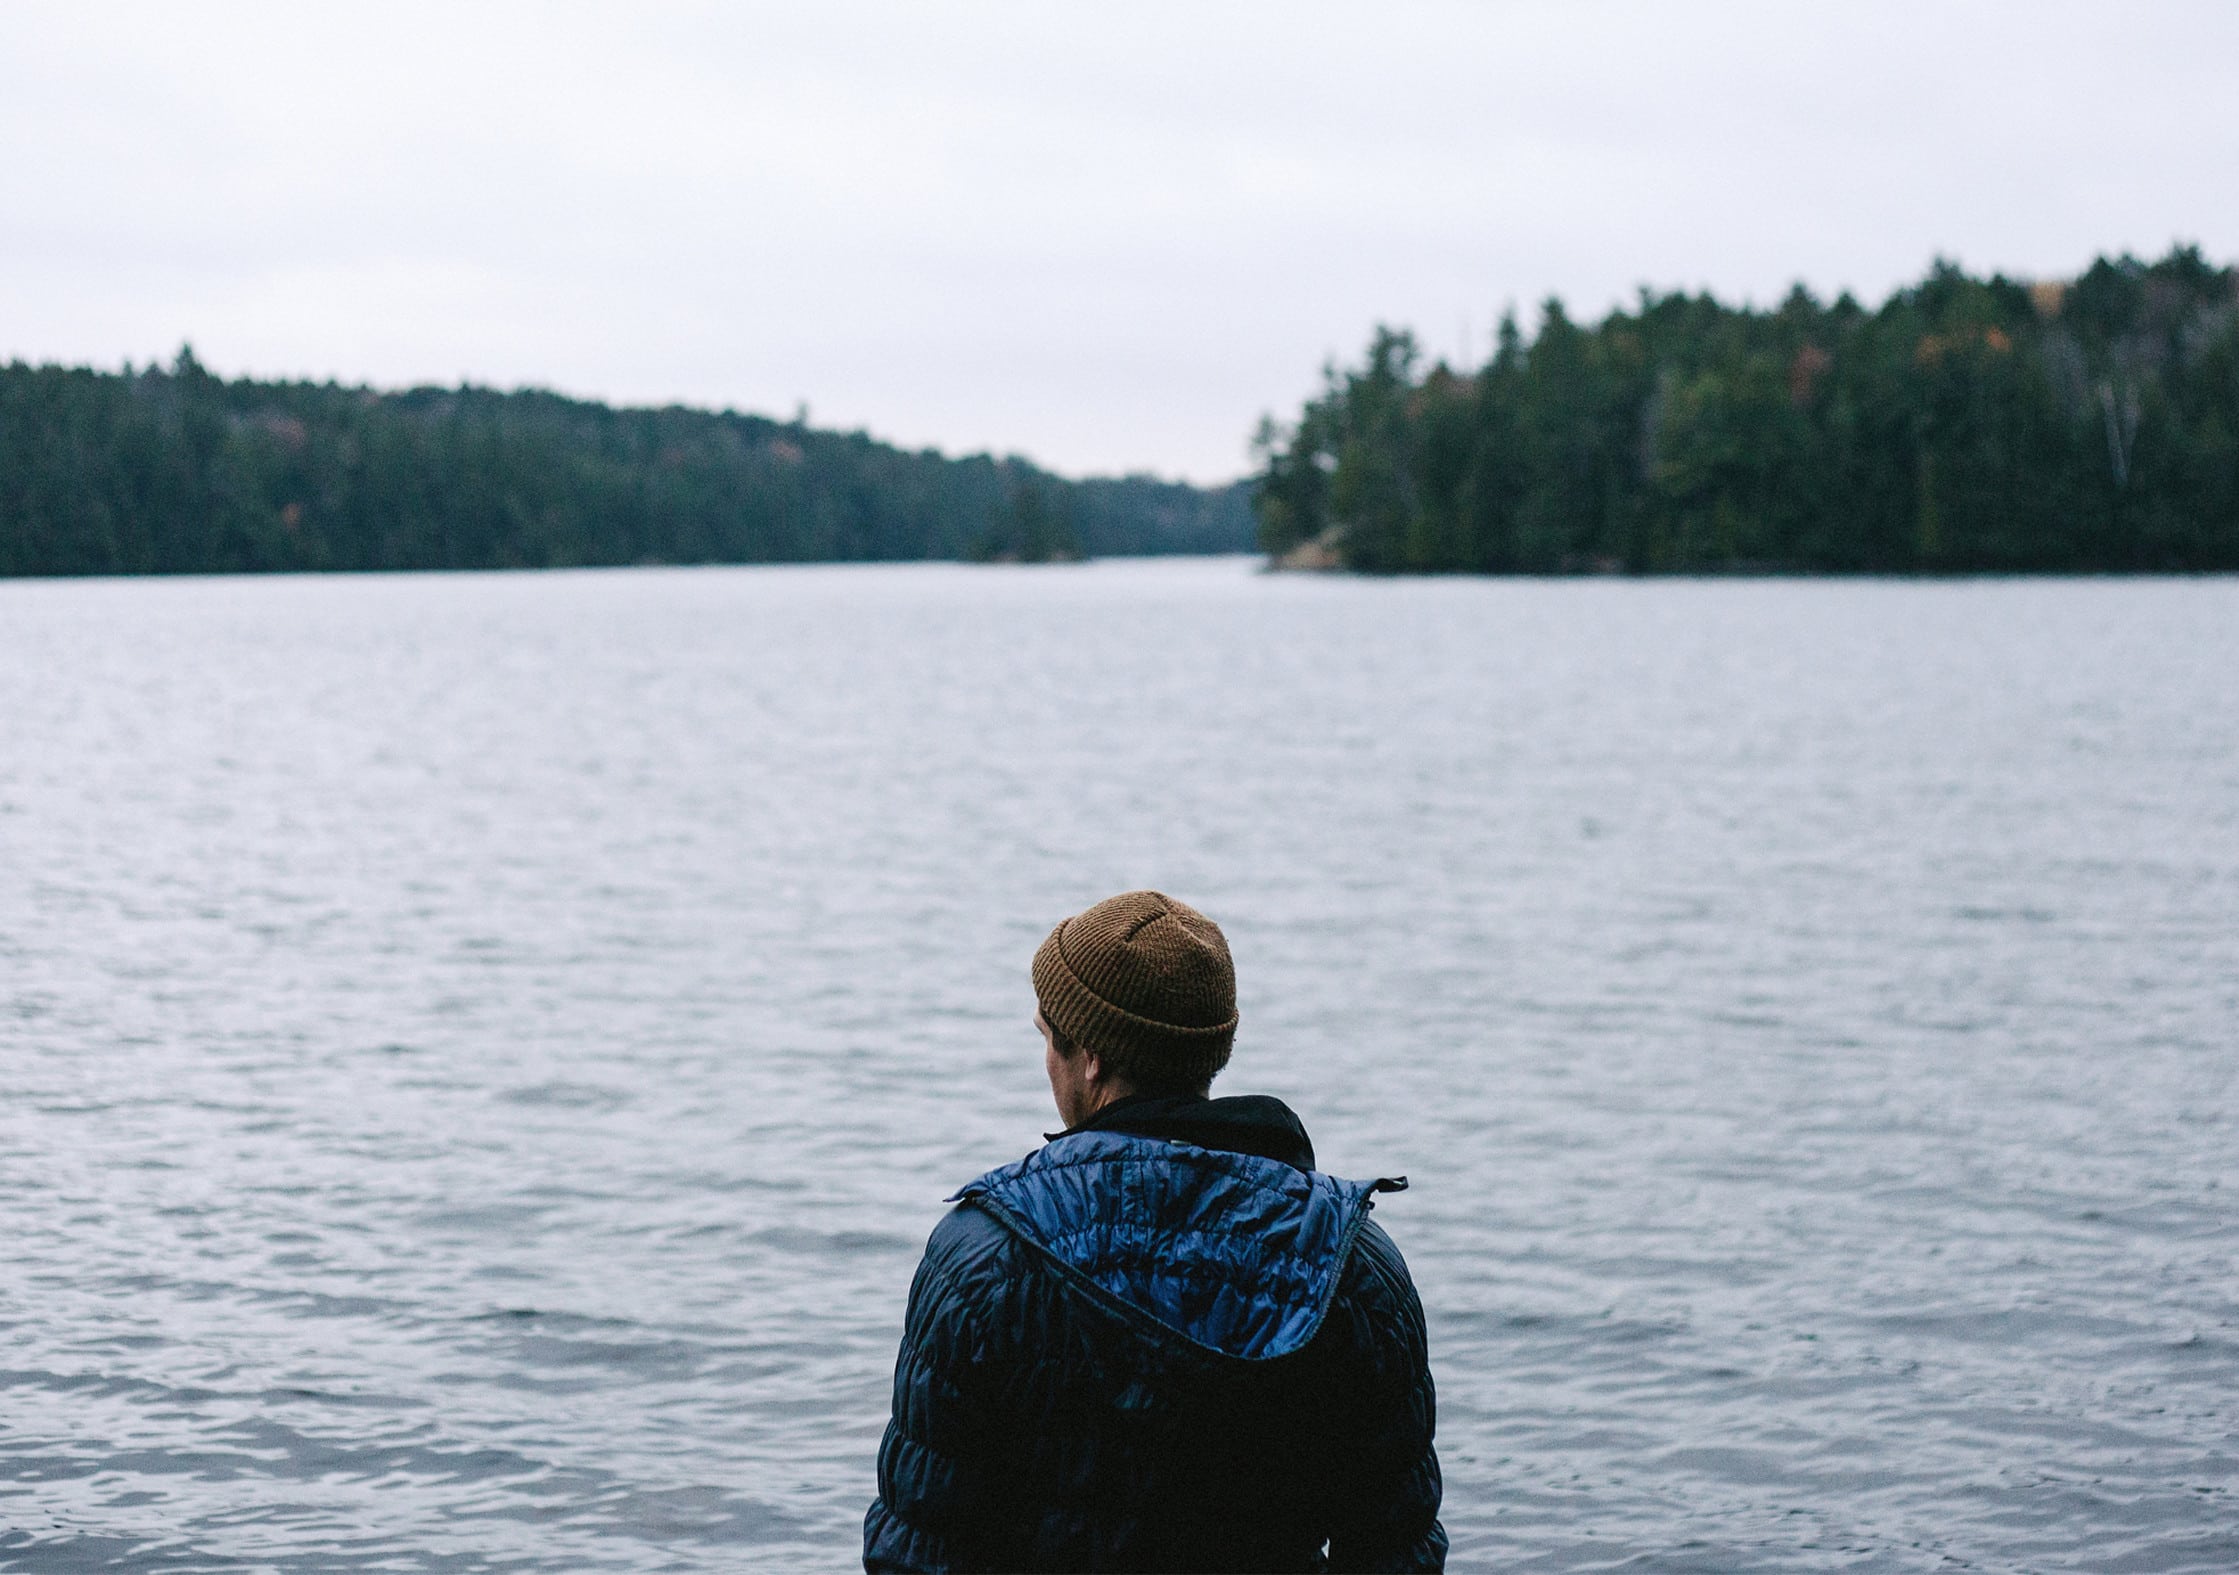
pixel 1105 1095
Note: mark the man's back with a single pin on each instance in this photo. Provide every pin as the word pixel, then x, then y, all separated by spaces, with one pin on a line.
pixel 1156 1346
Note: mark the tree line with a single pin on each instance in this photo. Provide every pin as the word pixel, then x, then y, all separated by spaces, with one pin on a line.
pixel 167 470
pixel 1967 425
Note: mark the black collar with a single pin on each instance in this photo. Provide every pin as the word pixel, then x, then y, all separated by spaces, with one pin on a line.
pixel 1241 1124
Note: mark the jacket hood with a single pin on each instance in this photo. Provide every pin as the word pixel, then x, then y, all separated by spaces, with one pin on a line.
pixel 1234 1252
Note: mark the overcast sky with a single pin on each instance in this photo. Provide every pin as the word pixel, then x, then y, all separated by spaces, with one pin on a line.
pixel 1107 236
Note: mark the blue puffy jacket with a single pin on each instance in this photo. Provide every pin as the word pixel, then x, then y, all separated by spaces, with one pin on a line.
pixel 1133 1352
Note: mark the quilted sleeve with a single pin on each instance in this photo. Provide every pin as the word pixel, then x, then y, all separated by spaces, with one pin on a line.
pixel 939 1465
pixel 1387 1512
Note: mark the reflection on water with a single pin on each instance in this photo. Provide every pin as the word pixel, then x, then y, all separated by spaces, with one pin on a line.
pixel 481 1054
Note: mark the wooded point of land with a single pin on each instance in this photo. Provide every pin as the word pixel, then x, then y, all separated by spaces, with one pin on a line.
pixel 1965 426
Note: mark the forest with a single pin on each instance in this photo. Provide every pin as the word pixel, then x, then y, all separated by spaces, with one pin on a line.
pixel 1967 425
pixel 168 470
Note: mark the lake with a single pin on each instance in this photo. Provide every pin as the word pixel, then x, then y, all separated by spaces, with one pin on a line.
pixel 481 1054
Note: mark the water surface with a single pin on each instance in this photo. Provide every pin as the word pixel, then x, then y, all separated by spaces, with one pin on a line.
pixel 479 1055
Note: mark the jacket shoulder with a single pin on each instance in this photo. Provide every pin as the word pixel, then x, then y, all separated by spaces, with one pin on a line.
pixel 966 1234
pixel 970 1257
pixel 963 1233
pixel 1376 1296
pixel 1376 1255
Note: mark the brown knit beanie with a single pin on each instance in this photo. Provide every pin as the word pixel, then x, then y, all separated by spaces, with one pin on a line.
pixel 1146 983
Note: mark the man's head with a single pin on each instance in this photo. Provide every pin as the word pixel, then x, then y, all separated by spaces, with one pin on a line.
pixel 1136 995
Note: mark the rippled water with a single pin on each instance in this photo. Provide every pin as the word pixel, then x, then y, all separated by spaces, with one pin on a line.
pixel 479 1055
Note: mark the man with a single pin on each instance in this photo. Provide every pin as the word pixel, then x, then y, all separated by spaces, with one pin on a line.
pixel 1164 1341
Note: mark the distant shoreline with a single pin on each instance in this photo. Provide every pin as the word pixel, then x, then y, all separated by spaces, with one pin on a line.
pixel 178 471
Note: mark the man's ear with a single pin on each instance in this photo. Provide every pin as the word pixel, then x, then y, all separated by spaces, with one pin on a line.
pixel 1094 1070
